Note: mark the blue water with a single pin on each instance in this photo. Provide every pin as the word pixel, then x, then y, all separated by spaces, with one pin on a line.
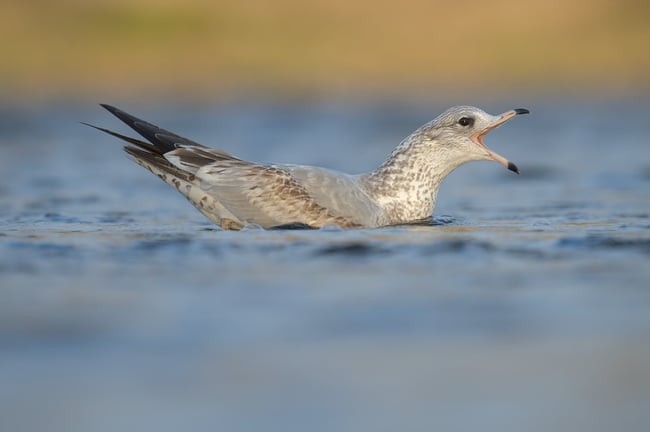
pixel 524 306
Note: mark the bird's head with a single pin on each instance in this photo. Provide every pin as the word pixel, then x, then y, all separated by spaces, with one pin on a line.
pixel 458 134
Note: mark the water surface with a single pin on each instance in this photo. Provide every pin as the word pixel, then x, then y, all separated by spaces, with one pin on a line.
pixel 523 306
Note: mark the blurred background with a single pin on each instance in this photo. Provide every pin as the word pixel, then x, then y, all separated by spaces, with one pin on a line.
pixel 208 50
pixel 523 307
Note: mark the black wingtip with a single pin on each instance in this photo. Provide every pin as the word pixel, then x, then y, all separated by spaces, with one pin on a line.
pixel 122 115
pixel 165 140
pixel 520 111
pixel 95 127
pixel 143 145
pixel 512 167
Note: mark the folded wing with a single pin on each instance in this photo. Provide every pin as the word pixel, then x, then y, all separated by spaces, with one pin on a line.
pixel 267 195
pixel 222 186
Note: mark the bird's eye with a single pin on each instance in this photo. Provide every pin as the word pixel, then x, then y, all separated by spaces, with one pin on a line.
pixel 466 121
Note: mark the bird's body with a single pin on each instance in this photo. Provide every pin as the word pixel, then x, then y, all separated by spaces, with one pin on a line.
pixel 234 193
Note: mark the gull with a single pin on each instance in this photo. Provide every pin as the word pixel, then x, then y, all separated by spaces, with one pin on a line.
pixel 234 193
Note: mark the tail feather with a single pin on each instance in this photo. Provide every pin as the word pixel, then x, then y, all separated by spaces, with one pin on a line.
pixel 144 145
pixel 167 153
pixel 164 140
pixel 158 165
pixel 175 160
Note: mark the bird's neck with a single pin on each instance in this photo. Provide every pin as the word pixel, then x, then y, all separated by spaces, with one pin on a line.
pixel 407 183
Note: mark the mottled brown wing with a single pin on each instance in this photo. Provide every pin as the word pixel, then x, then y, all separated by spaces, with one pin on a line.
pixel 265 195
pixel 340 193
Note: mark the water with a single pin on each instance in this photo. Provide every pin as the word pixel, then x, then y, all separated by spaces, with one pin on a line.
pixel 524 306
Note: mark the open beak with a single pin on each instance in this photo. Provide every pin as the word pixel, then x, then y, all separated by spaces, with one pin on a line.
pixel 478 136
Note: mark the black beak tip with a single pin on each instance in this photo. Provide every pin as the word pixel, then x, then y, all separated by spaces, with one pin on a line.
pixel 520 111
pixel 512 167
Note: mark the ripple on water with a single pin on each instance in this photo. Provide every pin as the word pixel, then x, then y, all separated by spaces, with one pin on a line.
pixel 439 247
pixel 352 249
pixel 171 243
pixel 45 248
pixel 606 243
pixel 48 202
pixel 444 220
pixel 57 217
pixel 457 246
pixel 116 217
pixel 33 257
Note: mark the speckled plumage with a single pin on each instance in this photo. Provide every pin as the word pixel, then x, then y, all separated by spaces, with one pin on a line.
pixel 234 193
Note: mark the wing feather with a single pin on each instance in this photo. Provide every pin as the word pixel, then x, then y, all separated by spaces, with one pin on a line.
pixel 234 192
pixel 265 195
pixel 340 193
pixel 193 158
